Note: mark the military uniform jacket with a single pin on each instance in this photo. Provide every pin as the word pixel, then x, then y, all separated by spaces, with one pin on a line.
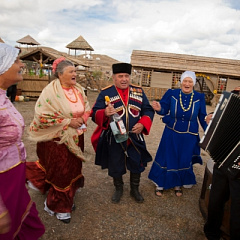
pixel 110 154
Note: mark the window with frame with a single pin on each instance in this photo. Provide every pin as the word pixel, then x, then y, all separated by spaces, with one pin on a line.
pixel 222 84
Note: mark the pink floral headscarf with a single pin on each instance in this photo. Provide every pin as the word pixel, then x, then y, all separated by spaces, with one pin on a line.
pixel 56 62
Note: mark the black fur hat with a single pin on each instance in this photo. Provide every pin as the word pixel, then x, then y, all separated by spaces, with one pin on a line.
pixel 122 68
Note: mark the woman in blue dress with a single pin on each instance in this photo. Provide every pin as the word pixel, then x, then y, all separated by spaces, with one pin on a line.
pixel 178 149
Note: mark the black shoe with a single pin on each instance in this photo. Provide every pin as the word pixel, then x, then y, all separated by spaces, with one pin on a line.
pixel 134 183
pixel 73 207
pixel 117 195
pixel 118 183
pixel 136 195
pixel 65 220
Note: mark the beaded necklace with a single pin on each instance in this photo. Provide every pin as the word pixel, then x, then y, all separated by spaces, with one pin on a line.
pixel 74 95
pixel 190 103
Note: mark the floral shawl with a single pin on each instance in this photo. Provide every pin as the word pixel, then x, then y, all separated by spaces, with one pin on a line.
pixel 52 116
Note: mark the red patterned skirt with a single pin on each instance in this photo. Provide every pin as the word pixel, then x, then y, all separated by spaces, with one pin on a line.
pixel 57 171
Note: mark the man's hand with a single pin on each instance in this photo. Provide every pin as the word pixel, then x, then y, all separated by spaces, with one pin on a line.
pixel 110 110
pixel 137 128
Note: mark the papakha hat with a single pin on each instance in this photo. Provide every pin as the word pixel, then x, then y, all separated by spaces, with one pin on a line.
pixel 121 68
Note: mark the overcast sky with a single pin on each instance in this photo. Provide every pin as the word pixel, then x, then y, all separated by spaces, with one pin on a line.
pixel 117 27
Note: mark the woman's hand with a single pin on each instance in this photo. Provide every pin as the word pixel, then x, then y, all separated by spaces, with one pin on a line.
pixel 5 224
pixel 110 110
pixel 76 122
pixel 208 118
pixel 156 106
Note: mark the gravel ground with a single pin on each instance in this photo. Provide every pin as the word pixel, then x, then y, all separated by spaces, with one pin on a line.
pixel 95 217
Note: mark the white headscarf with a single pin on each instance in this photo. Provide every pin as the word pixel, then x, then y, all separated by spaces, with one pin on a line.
pixel 8 55
pixel 189 74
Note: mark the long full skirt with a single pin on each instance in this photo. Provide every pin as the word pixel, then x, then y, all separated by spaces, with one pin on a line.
pixel 25 223
pixel 173 164
pixel 58 172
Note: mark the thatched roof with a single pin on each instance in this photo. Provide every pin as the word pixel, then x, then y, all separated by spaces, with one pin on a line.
pixel 1 40
pixel 47 55
pixel 28 40
pixel 182 62
pixel 79 44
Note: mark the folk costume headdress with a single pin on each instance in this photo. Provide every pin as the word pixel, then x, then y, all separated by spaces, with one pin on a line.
pixel 189 74
pixel 8 55
pixel 121 68
pixel 56 62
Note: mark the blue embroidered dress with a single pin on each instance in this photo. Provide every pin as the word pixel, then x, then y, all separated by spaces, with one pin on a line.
pixel 178 149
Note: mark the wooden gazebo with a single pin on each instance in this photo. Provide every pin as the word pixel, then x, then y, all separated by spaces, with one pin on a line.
pixel 79 44
pixel 28 40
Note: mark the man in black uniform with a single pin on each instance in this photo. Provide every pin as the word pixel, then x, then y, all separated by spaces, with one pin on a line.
pixel 223 187
pixel 131 103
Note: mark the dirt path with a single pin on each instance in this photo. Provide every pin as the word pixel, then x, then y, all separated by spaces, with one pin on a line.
pixel 96 217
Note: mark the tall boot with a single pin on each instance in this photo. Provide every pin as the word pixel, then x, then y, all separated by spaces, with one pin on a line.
pixel 134 182
pixel 118 183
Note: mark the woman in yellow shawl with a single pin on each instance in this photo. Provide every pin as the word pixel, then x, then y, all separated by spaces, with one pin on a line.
pixel 60 118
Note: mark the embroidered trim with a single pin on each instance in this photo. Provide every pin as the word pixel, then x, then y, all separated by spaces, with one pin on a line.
pixel 56 187
pixel 136 97
pixel 130 106
pixel 107 87
pixel 23 217
pixel 173 170
pixel 196 134
pixel 114 99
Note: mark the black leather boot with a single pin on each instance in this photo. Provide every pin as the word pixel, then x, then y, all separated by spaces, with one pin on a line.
pixel 134 182
pixel 118 183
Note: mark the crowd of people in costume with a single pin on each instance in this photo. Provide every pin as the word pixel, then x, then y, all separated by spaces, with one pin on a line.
pixel 59 122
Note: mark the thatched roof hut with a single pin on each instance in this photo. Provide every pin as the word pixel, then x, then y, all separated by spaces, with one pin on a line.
pixel 28 40
pixel 38 61
pixel 79 44
pixel 1 40
pixel 46 55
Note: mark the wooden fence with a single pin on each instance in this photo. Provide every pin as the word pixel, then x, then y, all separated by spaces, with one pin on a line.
pixel 154 93
pixel 32 86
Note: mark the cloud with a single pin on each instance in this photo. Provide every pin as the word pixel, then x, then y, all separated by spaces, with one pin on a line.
pixel 115 28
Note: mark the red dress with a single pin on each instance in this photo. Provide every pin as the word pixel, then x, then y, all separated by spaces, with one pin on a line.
pixel 58 170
